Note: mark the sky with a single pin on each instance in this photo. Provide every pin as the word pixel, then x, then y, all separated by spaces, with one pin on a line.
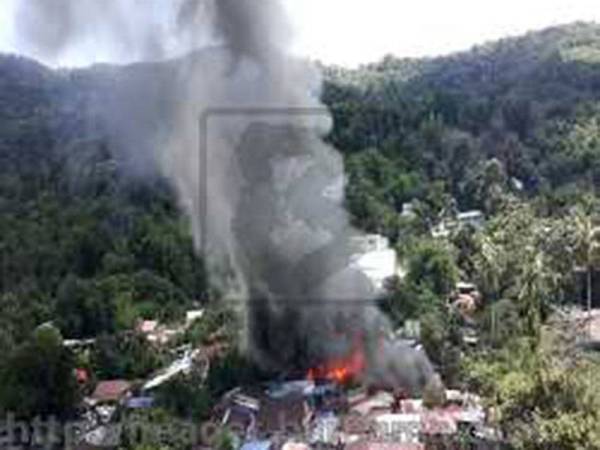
pixel 352 32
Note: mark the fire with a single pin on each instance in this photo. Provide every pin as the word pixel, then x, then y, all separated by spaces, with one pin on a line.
pixel 340 370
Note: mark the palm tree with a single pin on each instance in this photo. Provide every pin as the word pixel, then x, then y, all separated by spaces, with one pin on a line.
pixel 587 250
pixel 534 289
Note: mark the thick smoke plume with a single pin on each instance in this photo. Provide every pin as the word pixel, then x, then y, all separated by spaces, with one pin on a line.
pixel 265 201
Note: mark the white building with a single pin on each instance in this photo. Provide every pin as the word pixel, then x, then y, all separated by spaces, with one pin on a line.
pixel 474 219
pixel 376 259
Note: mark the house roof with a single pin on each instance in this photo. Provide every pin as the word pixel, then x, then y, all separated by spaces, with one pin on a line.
pixel 411 406
pixel 238 420
pixel 256 445
pixel 368 445
pixel 246 402
pixel 464 286
pixel 147 326
pixel 441 421
pixel 140 402
pixel 295 446
pixel 364 405
pixel 113 390
pixel 281 390
pixel 190 316
pixel 355 423
pixel 287 412
pixel 475 214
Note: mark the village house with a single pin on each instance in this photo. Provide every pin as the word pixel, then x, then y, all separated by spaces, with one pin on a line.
pixel 192 316
pixel 376 259
pixel 160 334
pixel 474 219
pixel 111 392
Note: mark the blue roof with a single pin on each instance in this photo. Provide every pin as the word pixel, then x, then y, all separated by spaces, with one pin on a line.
pixel 256 445
pixel 140 402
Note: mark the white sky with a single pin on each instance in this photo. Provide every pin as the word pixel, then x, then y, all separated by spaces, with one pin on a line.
pixel 350 32
pixel 6 13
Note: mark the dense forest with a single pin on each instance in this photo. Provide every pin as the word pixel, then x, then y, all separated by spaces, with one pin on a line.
pixel 414 129
pixel 91 242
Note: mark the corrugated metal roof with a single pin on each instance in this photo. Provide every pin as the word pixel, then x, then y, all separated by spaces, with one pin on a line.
pixel 112 390
pixel 256 445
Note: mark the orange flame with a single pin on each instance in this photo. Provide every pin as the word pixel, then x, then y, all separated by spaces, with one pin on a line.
pixel 340 370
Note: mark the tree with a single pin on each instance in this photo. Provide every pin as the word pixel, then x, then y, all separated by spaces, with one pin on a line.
pixel 376 190
pixel 126 357
pixel 534 290
pixel 441 337
pixel 186 397
pixel 431 265
pixel 434 393
pixel 580 149
pixel 218 321
pixel 498 323
pixel 543 397
pixel 587 247
pixel 38 378
pixel 82 308
pixel 234 369
pixel 435 205
pixel 524 259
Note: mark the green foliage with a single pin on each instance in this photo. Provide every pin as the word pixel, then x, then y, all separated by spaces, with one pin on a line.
pixel 431 266
pixel 234 370
pixel 423 294
pixel 159 430
pixel 512 116
pixel 225 440
pixel 441 336
pixel 524 259
pixel 217 321
pixel 82 309
pixel 38 379
pixel 82 237
pixel 378 187
pixel 542 397
pixel 500 323
pixel 186 397
pixel 510 128
pixel 124 357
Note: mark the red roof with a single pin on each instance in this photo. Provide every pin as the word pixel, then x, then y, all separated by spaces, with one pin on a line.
pixel 81 375
pixel 441 421
pixel 114 390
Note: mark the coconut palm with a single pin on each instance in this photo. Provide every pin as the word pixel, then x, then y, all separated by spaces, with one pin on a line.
pixel 586 234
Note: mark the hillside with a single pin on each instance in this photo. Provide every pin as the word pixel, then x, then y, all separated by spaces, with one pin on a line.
pixel 92 239
pixel 520 100
pixel 410 129
pixel 424 129
pixel 82 233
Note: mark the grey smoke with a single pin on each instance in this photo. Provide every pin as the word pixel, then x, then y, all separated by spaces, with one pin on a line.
pixel 126 30
pixel 272 221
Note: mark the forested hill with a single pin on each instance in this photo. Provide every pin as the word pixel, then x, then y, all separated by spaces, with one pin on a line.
pixel 86 239
pixel 528 102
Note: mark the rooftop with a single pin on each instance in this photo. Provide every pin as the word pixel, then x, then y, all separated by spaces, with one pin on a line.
pixel 111 391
